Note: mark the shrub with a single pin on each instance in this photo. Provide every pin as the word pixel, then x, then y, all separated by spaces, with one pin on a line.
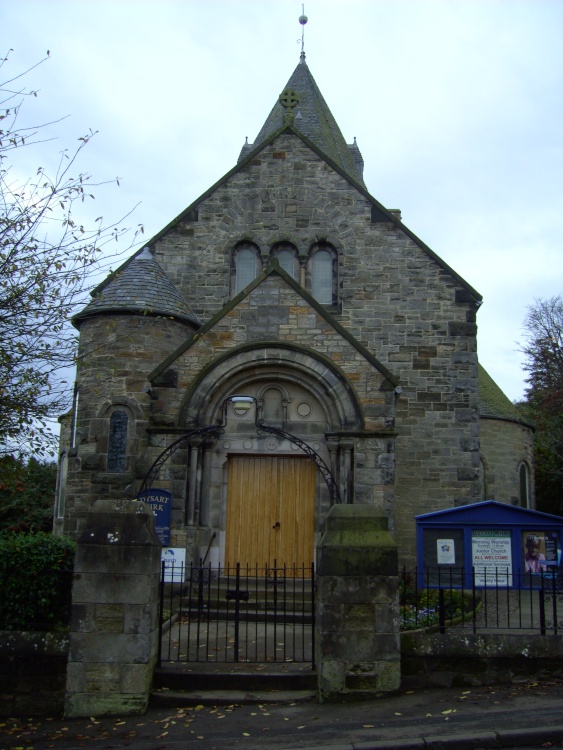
pixel 27 489
pixel 35 581
pixel 420 608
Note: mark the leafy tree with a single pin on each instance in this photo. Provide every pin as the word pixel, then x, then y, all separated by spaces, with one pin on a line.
pixel 46 256
pixel 27 492
pixel 544 364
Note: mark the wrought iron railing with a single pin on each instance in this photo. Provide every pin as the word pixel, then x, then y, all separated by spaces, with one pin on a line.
pixel 237 614
pixel 480 600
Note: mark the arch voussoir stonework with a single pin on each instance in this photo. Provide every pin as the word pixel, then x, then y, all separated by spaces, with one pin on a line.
pixel 231 372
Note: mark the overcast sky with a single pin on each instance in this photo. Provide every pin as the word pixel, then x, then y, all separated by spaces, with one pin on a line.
pixel 456 106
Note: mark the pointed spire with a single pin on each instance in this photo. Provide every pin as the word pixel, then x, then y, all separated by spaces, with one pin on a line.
pixel 302 106
pixel 314 119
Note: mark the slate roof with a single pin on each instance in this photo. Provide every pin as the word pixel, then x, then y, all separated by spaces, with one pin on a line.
pixel 314 119
pixel 140 286
pixel 493 403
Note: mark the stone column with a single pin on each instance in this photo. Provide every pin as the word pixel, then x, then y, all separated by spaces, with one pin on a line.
pixel 114 621
pixel 346 447
pixel 358 639
pixel 193 483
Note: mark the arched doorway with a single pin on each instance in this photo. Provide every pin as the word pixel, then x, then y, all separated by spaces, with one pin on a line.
pixel 262 495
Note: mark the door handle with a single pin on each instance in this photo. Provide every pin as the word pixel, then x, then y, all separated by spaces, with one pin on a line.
pixel 276 525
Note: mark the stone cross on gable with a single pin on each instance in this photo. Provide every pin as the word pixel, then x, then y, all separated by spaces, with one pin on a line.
pixel 289 100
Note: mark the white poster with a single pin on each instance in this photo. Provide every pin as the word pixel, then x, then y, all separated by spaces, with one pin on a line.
pixel 492 557
pixel 445 551
pixel 174 559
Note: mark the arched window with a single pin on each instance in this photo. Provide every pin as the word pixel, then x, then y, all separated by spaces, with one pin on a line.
pixel 117 445
pixel 246 266
pixel 272 406
pixel 287 258
pixel 524 479
pixel 322 275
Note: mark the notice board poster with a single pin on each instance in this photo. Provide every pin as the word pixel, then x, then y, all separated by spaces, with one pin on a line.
pixel 541 552
pixel 445 551
pixel 492 557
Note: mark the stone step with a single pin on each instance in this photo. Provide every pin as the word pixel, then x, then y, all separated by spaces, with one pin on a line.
pixel 180 698
pixel 224 684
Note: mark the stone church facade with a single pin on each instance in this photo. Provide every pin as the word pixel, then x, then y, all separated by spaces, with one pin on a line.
pixel 289 283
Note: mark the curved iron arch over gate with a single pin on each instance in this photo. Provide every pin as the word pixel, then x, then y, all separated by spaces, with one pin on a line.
pixel 219 428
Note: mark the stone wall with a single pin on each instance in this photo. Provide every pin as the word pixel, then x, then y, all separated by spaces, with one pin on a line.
pixel 116 355
pixel 504 446
pixel 32 673
pixel 465 660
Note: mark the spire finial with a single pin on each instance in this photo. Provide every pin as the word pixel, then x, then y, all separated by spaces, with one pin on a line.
pixel 303 20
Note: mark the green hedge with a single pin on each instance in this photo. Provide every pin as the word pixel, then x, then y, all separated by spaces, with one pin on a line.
pixel 35 581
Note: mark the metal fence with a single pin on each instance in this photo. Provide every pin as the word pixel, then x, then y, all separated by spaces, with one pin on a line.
pixel 237 614
pixel 482 600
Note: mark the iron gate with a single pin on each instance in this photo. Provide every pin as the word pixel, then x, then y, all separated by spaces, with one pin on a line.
pixel 237 614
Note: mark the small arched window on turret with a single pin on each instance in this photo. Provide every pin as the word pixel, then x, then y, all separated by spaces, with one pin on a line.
pixel 286 255
pixel 117 444
pixel 323 274
pixel 245 266
pixel 524 480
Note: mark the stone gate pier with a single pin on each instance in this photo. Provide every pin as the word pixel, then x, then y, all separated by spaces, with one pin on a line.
pixel 114 617
pixel 358 636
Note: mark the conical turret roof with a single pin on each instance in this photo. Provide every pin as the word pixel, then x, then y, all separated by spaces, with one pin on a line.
pixel 139 287
pixel 313 118
pixel 493 402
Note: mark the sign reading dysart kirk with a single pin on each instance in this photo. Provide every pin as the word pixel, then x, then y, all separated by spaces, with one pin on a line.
pixel 161 505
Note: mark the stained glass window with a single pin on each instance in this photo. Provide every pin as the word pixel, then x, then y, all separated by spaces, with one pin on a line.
pixel 117 447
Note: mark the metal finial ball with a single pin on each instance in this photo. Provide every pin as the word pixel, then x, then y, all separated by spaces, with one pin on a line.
pixel 303 20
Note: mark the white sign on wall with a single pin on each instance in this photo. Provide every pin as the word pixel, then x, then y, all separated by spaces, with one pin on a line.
pixel 174 559
pixel 492 557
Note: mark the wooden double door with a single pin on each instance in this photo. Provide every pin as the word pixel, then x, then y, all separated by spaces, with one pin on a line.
pixel 270 510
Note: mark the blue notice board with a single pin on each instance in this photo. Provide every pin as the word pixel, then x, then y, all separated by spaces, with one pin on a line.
pixel 487 542
pixel 161 504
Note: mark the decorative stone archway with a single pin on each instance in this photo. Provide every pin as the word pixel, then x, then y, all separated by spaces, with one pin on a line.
pixel 315 399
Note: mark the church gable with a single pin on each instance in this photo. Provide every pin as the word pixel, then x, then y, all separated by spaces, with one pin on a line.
pixel 286 192
pixel 274 313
